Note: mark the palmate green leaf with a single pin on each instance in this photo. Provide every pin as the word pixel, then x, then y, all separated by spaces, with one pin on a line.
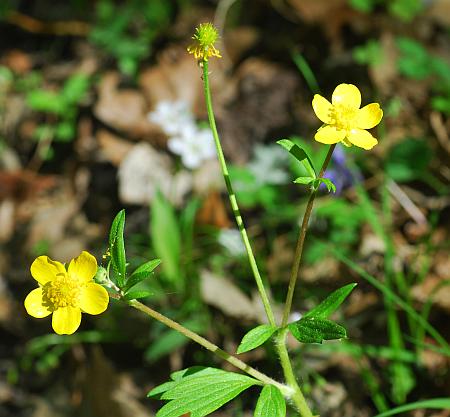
pixel 183 373
pixel 135 295
pixel 203 392
pixel 142 272
pixel 256 337
pixel 331 303
pixel 175 377
pixel 298 153
pixel 315 330
pixel 270 403
pixel 117 247
pixel 161 389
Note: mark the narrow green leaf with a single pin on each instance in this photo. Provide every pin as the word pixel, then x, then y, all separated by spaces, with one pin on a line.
pixel 315 330
pixel 331 303
pixel 298 153
pixel 435 403
pixel 304 180
pixel 402 380
pixel 142 272
pixel 117 247
pixel 306 70
pixel 270 403
pixel 147 267
pixel 256 337
pixel 166 237
pixel 134 295
pixel 136 279
pixel 170 340
pixel 120 218
pixel 75 88
pixel 164 344
pixel 46 101
pixel 387 292
pixel 328 183
pixel 204 392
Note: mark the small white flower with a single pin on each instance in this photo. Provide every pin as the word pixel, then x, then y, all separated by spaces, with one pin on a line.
pixel 193 145
pixel 268 165
pixel 172 116
pixel 205 137
pixel 231 240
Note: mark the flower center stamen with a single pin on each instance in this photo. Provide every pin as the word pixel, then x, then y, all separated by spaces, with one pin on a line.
pixel 343 117
pixel 63 291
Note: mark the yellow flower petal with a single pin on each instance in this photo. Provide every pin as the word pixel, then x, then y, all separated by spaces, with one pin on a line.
pixel 94 298
pixel 362 138
pixel 66 320
pixel 329 135
pixel 323 108
pixel 369 116
pixel 43 269
pixel 34 306
pixel 83 267
pixel 347 95
pixel 213 51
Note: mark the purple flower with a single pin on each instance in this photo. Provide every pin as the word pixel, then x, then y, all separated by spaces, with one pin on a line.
pixel 340 174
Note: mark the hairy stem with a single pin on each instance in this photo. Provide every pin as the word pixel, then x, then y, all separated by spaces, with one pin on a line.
pixel 209 346
pixel 232 196
pixel 301 242
pixel 297 397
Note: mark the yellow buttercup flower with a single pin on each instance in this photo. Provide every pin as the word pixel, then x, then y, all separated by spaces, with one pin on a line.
pixel 203 47
pixel 344 120
pixel 66 293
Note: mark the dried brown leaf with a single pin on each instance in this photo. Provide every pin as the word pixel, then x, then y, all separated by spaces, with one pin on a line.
pixel 145 170
pixel 223 294
pixel 113 147
pixel 435 288
pixel 123 109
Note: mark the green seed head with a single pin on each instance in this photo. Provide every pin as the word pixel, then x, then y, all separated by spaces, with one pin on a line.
pixel 206 34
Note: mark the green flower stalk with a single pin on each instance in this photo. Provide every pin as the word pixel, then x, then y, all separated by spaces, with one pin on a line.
pixel 205 36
